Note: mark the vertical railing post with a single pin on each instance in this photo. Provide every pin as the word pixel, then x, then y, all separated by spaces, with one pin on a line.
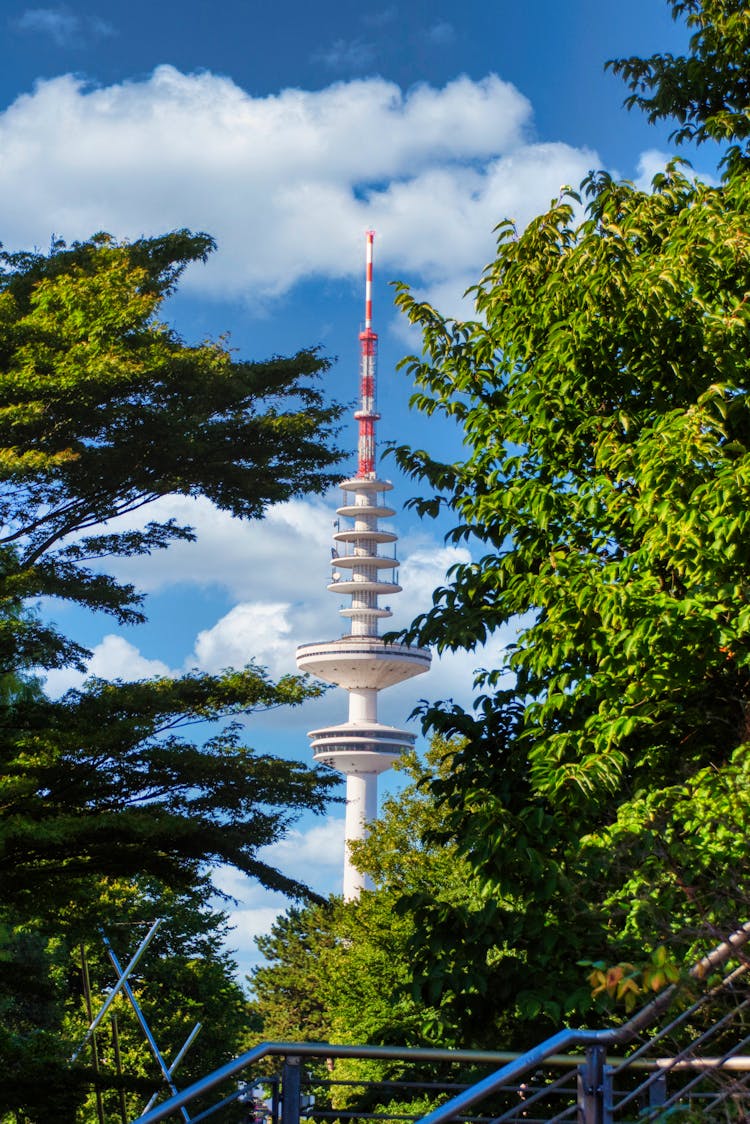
pixel 275 1099
pixel 591 1087
pixel 657 1090
pixel 608 1093
pixel 291 1083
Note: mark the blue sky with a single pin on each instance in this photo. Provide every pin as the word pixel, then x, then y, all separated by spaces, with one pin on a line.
pixel 286 130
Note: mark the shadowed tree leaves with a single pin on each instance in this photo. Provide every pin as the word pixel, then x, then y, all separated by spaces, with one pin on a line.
pixel 103 409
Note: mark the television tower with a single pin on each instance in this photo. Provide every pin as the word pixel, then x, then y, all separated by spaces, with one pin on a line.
pixel 360 661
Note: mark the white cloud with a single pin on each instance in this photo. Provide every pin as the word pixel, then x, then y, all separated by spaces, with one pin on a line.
pixel 113 658
pixel 260 631
pixel 251 559
pixel 441 33
pixel 650 164
pixel 653 161
pixel 288 182
pixel 346 55
pixel 116 658
pixel 421 572
pixel 61 26
pixel 313 854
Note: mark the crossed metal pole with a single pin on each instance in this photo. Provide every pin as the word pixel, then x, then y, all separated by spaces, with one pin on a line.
pixel 123 985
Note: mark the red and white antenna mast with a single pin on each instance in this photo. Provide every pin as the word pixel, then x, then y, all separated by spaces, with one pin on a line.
pixel 362 662
pixel 366 415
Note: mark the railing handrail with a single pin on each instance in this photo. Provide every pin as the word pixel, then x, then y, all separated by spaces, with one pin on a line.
pixel 557 1044
pixel 323 1050
pixel 566 1039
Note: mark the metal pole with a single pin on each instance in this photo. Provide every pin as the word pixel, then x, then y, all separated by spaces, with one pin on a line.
pixel 118 1064
pixel 657 1091
pixel 591 1087
pixel 145 1028
pixel 123 977
pixel 275 1099
pixel 608 1093
pixel 181 1054
pixel 94 1045
pixel 291 1082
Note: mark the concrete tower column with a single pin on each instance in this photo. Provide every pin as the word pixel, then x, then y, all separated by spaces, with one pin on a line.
pixel 362 663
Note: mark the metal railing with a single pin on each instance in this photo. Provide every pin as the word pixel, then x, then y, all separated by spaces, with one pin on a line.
pixel 668 1067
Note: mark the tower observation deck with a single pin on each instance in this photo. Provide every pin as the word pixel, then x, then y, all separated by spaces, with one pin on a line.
pixel 361 662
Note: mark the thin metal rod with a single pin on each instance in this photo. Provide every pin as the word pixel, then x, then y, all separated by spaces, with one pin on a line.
pixel 736 1087
pixel 553 1087
pixel 145 1027
pixel 564 1115
pixel 118 986
pixel 671 1063
pixel 118 1065
pixel 685 1088
pixel 185 1047
pixel 181 1054
pixel 217 1107
pixel 685 1015
pixel 94 1045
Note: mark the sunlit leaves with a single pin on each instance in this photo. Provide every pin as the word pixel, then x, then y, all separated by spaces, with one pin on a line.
pixel 603 397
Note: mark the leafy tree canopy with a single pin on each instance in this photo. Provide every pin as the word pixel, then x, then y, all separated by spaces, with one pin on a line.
pixel 103 409
pixel 603 398
pixel 707 92
pixel 115 798
pixel 185 977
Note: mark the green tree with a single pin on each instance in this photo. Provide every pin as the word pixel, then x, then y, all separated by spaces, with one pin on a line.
pixel 344 972
pixel 186 976
pixel 707 92
pixel 104 409
pixel 603 396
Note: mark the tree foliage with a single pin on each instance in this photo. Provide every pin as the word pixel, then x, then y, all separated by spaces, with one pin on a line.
pixel 602 395
pixel 185 977
pixel 104 409
pixel 344 972
pixel 706 92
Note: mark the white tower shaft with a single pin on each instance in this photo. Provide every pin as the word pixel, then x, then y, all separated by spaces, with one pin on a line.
pixel 361 662
pixel 361 810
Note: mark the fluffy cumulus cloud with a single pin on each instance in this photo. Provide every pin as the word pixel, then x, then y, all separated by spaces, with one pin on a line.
pixel 286 182
pixel 261 629
pixel 251 559
pixel 114 658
